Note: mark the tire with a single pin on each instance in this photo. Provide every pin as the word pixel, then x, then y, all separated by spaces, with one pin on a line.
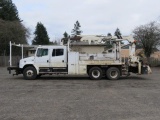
pixel 113 73
pixel 29 73
pixel 95 73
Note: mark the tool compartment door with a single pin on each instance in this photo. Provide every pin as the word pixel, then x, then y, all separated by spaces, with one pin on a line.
pixel 73 58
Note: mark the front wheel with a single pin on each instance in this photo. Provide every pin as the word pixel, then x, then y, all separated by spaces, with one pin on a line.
pixel 95 73
pixel 113 73
pixel 30 73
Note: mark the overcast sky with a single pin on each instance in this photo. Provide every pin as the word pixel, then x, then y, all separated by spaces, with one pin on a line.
pixel 95 16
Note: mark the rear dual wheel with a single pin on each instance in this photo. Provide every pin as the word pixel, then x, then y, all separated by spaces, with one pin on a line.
pixel 113 73
pixel 95 73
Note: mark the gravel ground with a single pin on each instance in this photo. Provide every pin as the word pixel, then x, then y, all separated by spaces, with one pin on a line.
pixel 79 98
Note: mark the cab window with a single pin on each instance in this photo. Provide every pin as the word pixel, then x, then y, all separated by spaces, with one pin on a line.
pixel 57 52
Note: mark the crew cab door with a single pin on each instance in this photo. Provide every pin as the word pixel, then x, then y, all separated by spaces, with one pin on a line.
pixel 42 58
pixel 58 59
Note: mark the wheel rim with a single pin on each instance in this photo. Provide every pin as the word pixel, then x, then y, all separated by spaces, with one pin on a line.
pixel 96 73
pixel 29 73
pixel 113 74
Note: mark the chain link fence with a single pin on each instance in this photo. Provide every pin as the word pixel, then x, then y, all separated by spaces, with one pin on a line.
pixel 154 62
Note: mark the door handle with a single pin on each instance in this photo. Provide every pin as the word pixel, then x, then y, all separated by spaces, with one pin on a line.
pixel 47 61
pixel 62 60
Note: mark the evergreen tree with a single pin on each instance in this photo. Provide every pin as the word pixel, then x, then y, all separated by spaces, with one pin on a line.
pixel 65 38
pixel 108 42
pixel 55 42
pixel 76 30
pixel 109 34
pixel 8 11
pixel 118 33
pixel 41 35
pixel 11 28
pixel 65 35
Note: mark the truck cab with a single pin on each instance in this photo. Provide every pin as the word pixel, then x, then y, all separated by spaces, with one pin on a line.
pixel 47 60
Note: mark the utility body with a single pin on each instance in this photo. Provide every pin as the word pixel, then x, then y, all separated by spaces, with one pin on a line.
pixel 61 59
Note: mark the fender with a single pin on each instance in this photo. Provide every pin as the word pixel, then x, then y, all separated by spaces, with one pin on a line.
pixel 37 68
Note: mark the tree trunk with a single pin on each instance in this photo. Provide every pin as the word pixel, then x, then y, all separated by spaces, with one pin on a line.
pixel 148 61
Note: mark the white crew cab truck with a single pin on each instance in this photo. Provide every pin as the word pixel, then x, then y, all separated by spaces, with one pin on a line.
pixel 62 59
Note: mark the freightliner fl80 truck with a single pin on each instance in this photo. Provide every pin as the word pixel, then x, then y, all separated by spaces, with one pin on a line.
pixel 62 59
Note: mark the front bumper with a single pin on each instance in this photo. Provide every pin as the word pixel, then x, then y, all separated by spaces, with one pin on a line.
pixel 16 69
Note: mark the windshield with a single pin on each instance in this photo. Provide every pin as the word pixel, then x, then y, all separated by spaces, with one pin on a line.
pixel 42 52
